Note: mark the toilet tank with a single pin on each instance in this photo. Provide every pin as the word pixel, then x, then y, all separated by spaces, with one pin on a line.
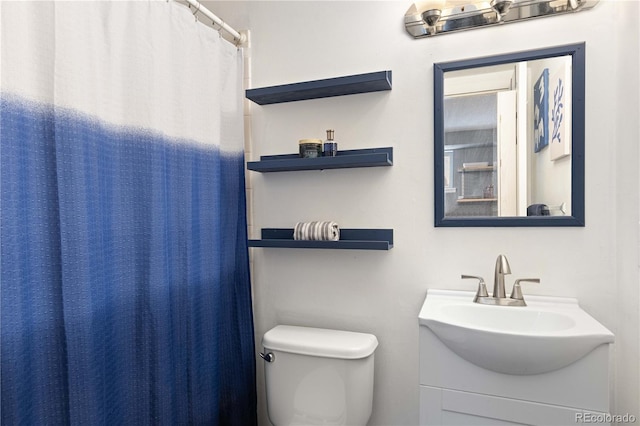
pixel 318 376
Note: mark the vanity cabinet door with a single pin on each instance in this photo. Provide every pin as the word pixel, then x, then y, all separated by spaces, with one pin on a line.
pixel 445 407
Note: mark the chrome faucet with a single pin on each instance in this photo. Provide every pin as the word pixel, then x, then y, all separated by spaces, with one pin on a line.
pixel 502 269
pixel 499 295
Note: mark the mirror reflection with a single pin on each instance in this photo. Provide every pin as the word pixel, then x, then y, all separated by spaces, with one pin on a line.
pixel 506 146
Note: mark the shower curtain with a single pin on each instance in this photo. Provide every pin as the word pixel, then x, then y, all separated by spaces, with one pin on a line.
pixel 124 266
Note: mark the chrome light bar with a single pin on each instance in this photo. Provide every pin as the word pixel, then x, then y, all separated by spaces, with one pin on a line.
pixel 421 22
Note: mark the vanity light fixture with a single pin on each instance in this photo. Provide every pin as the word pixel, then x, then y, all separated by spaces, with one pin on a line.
pixel 435 17
pixel 501 7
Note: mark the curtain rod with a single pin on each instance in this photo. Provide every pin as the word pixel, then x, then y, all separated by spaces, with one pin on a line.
pixel 238 38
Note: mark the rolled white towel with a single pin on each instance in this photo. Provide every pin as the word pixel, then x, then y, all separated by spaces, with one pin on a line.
pixel 319 231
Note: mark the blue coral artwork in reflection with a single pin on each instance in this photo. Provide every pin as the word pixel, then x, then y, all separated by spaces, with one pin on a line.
pixel 541 111
pixel 560 114
pixel 557 112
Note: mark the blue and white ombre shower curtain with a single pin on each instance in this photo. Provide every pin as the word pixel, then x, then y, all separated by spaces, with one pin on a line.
pixel 125 276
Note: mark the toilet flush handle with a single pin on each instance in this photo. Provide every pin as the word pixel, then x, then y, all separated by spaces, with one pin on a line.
pixel 269 357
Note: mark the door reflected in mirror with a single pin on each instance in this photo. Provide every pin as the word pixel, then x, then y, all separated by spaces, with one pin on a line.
pixel 510 140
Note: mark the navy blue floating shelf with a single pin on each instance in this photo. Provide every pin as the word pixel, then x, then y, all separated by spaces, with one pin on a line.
pixel 338 86
pixel 350 239
pixel 374 157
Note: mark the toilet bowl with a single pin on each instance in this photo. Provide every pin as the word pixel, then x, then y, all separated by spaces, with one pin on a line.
pixel 317 376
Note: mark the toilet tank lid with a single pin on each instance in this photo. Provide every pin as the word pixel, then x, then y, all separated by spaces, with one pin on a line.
pixel 320 342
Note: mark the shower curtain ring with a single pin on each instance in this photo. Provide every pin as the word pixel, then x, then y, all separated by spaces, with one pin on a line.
pixel 197 10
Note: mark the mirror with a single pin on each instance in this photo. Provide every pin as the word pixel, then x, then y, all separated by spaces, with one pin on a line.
pixel 509 139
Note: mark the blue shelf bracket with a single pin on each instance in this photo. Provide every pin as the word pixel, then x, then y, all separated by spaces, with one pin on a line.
pixel 350 239
pixel 337 86
pixel 374 157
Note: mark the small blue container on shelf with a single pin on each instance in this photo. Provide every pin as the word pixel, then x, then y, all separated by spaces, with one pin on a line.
pixel 330 148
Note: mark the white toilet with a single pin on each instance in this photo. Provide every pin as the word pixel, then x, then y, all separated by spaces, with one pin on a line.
pixel 316 376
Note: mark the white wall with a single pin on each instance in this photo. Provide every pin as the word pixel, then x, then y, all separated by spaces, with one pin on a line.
pixel 381 292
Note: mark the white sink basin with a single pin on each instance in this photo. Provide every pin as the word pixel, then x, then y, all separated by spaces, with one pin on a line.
pixel 547 334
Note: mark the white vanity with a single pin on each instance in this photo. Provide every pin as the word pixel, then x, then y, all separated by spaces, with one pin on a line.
pixel 546 363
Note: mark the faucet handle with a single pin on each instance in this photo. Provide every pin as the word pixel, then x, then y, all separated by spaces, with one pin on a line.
pixel 516 293
pixel 482 287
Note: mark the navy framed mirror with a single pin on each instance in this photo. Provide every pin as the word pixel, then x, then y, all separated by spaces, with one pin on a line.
pixel 509 139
